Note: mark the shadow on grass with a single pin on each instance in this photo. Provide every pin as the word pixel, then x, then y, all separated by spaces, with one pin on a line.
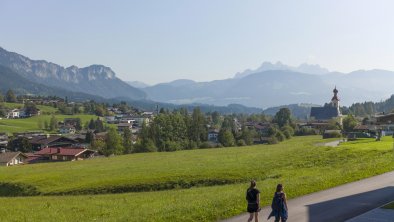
pixel 17 189
pixel 344 208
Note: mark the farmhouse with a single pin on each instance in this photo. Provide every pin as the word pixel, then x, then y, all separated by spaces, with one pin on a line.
pixel 12 158
pixel 123 126
pixel 385 122
pixel 213 135
pixel 67 129
pixel 65 154
pixel 3 140
pixel 13 114
pixel 72 121
pixel 40 142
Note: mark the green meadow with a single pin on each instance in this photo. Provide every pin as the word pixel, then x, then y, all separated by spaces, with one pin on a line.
pixel 31 124
pixel 192 185
pixel 43 109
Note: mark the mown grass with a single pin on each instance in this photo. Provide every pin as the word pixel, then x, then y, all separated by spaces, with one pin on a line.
pixel 389 206
pixel 298 164
pixel 31 124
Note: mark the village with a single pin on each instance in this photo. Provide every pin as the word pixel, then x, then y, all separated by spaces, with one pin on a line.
pixel 73 142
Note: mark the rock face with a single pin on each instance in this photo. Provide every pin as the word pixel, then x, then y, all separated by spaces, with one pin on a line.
pixel 95 79
pixel 21 85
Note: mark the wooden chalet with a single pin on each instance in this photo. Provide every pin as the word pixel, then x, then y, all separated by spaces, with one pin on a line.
pixel 65 154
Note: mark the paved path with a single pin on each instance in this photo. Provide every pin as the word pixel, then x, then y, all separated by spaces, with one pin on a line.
pixel 333 143
pixel 339 203
pixel 376 215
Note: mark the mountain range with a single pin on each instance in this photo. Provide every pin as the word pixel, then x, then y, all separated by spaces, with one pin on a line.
pixel 96 80
pixel 278 84
pixel 270 85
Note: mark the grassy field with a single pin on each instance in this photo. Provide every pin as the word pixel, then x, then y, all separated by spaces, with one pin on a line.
pixel 389 206
pixel 31 124
pixel 298 164
pixel 43 109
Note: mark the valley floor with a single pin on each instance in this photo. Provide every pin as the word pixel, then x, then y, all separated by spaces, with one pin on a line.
pixel 216 180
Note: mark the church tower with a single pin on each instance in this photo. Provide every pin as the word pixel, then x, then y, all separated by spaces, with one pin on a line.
pixel 335 101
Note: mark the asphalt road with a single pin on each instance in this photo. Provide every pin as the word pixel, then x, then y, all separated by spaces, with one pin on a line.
pixel 337 204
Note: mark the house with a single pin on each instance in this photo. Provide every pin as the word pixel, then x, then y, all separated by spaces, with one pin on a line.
pixel 139 120
pixel 372 129
pixel 123 126
pixel 385 122
pixel 67 129
pixel 126 120
pixel 262 128
pixel 328 111
pixel 12 158
pixel 79 138
pixel 65 154
pixel 3 140
pixel 29 112
pixel 34 158
pixel 72 121
pixel 101 136
pixel 110 119
pixel 40 142
pixel 13 114
pixel 318 126
pixel 29 135
pixel 213 135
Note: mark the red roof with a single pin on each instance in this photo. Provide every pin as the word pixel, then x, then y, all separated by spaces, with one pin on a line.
pixel 61 151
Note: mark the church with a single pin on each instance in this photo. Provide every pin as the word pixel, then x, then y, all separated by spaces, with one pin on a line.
pixel 328 111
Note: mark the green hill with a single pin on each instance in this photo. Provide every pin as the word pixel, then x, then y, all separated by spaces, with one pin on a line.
pixel 215 179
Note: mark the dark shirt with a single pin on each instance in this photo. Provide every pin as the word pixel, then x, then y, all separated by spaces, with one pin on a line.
pixel 251 195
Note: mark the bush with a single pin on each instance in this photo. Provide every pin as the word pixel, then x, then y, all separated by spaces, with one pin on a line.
pixel 172 146
pixel 333 134
pixel 289 129
pixel 280 136
pixel 273 140
pixel 305 132
pixel 207 144
pixel 192 144
pixel 241 142
pixel 287 134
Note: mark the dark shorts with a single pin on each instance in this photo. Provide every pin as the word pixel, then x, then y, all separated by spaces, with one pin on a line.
pixel 253 207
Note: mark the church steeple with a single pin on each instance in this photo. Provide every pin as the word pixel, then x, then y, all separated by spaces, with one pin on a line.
pixel 335 99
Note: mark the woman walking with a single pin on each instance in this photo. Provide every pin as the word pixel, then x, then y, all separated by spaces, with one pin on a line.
pixel 253 198
pixel 279 205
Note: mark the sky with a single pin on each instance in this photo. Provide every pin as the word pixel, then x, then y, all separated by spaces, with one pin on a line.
pixel 160 41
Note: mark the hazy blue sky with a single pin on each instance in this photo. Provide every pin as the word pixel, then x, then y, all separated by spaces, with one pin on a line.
pixel 163 40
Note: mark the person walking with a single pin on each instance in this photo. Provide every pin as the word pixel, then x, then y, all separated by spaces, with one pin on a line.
pixel 279 205
pixel 253 198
